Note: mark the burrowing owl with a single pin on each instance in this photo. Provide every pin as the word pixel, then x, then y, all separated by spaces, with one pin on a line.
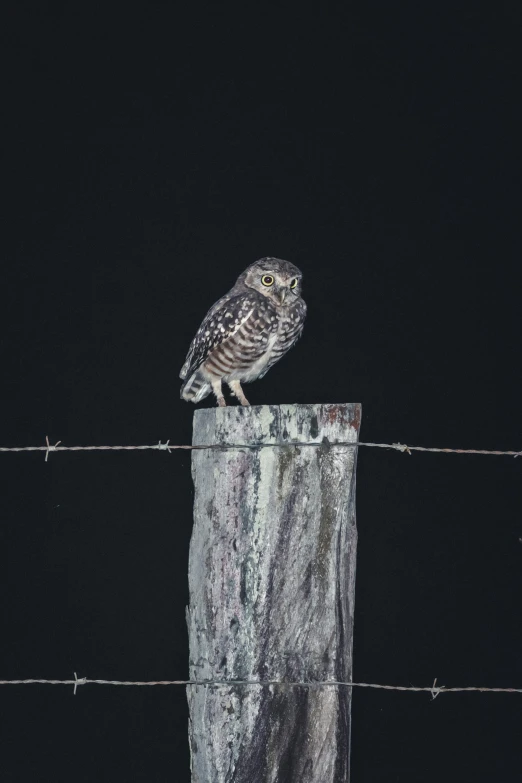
pixel 246 331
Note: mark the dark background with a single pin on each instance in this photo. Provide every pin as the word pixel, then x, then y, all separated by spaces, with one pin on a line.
pixel 150 154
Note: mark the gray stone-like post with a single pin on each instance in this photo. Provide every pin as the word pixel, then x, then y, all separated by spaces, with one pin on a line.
pixel 272 579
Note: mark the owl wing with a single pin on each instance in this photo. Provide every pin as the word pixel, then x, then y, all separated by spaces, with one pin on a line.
pixel 223 320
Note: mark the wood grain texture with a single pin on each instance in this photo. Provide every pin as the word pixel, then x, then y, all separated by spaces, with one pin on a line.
pixel 271 579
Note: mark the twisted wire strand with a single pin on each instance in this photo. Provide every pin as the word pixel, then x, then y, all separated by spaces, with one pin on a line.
pixel 167 446
pixel 435 690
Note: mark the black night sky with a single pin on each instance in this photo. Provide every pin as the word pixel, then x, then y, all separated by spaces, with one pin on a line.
pixel 152 152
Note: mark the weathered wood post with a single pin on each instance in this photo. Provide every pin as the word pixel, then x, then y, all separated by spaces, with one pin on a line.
pixel 271 578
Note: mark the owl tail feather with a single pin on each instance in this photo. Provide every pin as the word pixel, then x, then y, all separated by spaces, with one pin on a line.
pixel 196 388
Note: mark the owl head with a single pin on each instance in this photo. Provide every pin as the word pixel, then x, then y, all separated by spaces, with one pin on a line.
pixel 274 278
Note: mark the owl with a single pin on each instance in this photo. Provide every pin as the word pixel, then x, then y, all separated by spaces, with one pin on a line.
pixel 246 332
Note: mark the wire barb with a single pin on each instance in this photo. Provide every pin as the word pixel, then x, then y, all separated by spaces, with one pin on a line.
pixel 50 448
pixel 164 446
pixel 81 681
pixel 402 447
pixel 435 691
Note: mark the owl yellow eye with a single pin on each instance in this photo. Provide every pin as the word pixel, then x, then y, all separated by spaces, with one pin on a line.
pixel 267 280
pixel 293 284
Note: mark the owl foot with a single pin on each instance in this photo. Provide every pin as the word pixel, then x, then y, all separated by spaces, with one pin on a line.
pixel 237 391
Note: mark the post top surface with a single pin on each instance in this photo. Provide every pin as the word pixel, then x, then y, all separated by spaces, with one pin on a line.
pixel 277 424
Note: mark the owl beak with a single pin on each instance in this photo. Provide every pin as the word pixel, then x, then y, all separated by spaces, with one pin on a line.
pixel 282 295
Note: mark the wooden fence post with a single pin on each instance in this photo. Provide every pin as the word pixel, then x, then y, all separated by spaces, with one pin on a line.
pixel 271 579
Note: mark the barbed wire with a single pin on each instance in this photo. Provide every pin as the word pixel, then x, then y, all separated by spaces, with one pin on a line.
pixel 168 446
pixel 435 690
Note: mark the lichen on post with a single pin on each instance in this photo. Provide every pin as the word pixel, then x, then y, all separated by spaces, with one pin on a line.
pixel 271 581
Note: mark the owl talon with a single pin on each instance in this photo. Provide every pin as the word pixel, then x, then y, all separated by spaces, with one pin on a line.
pixel 237 391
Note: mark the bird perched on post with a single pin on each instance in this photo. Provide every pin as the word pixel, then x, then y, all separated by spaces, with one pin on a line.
pixel 246 332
